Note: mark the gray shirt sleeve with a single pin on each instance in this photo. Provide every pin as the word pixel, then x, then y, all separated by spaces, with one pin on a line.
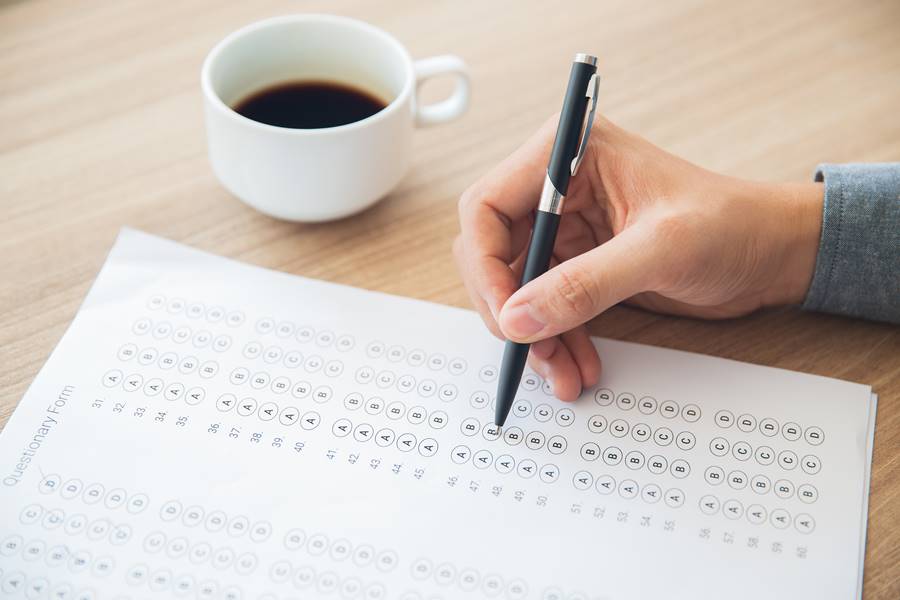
pixel 857 269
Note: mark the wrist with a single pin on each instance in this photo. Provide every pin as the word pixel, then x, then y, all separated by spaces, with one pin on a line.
pixel 797 208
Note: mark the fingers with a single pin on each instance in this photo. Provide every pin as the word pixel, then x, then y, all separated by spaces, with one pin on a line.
pixel 582 349
pixel 569 362
pixel 492 216
pixel 580 288
pixel 477 301
pixel 558 367
pixel 495 221
pixel 519 240
pixel 570 369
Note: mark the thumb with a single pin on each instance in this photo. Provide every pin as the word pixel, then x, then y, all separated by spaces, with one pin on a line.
pixel 579 289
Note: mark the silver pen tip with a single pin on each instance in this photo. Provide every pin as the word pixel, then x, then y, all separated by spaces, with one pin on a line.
pixel 586 58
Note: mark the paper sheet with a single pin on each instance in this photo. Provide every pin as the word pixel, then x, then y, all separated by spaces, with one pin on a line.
pixel 207 429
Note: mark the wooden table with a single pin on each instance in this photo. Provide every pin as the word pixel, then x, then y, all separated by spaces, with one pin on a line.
pixel 101 126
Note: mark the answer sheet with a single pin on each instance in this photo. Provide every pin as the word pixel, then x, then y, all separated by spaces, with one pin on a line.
pixel 212 430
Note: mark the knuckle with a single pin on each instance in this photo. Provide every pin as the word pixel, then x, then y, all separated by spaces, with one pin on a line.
pixel 575 294
pixel 672 229
pixel 469 199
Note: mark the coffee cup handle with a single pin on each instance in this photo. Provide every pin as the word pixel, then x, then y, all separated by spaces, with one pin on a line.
pixel 456 104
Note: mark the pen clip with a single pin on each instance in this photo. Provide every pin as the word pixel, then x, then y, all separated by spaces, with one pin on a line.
pixel 591 94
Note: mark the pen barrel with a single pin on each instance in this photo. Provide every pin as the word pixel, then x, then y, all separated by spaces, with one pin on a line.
pixel 571 120
pixel 540 250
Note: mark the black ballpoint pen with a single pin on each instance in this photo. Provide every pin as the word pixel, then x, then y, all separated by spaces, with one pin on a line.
pixel 572 134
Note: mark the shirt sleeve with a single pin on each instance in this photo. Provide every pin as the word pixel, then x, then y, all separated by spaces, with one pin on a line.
pixel 857 269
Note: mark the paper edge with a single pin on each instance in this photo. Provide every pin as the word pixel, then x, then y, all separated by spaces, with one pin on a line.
pixel 870 447
pixel 15 413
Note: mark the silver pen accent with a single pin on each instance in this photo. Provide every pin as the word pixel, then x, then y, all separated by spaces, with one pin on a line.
pixel 591 94
pixel 551 200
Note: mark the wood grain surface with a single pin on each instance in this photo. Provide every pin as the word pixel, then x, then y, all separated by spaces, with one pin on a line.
pixel 101 126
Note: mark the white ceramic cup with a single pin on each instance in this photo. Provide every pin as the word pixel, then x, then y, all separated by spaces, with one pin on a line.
pixel 329 173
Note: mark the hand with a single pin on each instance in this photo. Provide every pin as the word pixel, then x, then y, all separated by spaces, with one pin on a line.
pixel 639 225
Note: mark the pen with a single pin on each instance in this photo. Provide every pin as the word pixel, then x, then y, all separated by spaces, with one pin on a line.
pixel 572 134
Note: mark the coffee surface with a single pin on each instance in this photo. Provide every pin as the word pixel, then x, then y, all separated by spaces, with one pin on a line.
pixel 309 105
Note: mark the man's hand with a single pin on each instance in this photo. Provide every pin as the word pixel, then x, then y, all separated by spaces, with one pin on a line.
pixel 639 225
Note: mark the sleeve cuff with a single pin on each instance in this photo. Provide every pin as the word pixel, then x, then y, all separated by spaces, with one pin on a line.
pixel 857 270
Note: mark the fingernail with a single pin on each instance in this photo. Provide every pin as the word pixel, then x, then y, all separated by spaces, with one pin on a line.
pixel 493 302
pixel 543 369
pixel 519 321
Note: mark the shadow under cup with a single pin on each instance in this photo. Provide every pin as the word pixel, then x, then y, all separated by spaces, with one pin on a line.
pixel 309 174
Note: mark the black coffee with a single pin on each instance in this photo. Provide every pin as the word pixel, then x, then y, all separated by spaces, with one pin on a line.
pixel 309 105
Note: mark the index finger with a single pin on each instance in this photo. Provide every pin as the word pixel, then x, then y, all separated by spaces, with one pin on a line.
pixel 488 210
